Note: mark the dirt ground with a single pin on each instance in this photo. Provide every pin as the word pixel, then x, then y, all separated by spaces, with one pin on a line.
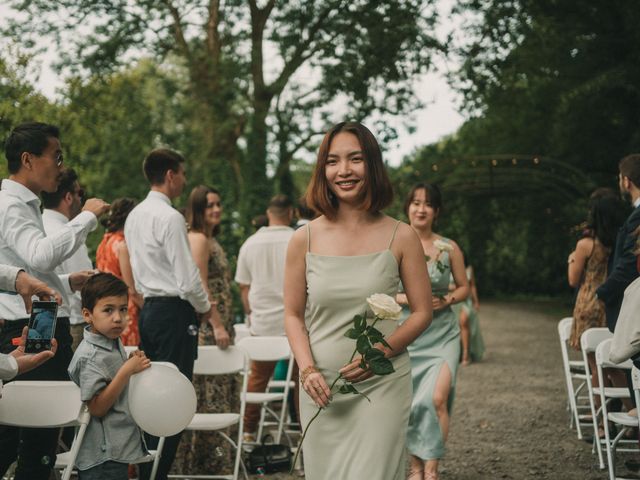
pixel 509 419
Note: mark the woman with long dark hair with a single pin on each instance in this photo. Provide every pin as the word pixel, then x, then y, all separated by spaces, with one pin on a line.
pixel 206 452
pixel 112 257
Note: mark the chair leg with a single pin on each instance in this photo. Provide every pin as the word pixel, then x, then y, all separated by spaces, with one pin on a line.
pixel 156 461
pixel 261 423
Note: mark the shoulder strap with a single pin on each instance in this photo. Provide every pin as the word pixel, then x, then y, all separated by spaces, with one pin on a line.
pixel 308 237
pixel 395 229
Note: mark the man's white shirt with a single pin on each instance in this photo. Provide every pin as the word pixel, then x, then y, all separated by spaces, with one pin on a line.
pixel 261 265
pixel 24 244
pixel 54 222
pixel 156 235
pixel 8 364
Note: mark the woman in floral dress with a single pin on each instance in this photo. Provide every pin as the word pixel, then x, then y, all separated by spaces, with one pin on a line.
pixel 207 452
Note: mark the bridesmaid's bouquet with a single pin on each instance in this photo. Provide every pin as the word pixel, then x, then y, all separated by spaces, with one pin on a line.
pixel 366 336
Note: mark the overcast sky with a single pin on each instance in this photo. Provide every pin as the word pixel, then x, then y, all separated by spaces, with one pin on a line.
pixel 438 118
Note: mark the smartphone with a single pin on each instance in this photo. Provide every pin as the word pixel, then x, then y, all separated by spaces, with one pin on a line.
pixel 42 326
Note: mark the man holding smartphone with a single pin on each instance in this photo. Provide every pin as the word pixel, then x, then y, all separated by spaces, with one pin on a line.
pixel 34 160
pixel 13 279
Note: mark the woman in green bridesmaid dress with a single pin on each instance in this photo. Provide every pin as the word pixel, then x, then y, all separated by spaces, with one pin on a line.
pixel 435 354
pixel 333 264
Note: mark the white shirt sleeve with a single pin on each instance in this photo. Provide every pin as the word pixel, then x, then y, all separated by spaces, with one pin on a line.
pixel 40 252
pixel 8 367
pixel 243 274
pixel 8 276
pixel 186 272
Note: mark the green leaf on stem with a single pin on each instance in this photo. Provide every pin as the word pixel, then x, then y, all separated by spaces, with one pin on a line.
pixel 360 323
pixel 381 366
pixel 373 353
pixel 362 344
pixel 352 333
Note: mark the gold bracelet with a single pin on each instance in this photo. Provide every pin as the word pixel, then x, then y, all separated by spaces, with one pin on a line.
pixel 306 372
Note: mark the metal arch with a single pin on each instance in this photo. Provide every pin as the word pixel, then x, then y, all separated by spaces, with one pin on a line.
pixel 491 174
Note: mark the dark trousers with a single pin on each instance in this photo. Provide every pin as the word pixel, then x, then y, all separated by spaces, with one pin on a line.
pixel 168 333
pixel 34 448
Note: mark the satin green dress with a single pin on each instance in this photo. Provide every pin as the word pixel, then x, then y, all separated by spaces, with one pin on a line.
pixel 476 341
pixel 438 345
pixel 353 438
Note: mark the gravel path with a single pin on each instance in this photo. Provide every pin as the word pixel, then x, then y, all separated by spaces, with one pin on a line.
pixel 509 419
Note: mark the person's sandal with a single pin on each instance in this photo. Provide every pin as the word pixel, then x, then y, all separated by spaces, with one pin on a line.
pixel 431 476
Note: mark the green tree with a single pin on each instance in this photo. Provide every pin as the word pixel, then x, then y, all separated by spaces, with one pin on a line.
pixel 316 60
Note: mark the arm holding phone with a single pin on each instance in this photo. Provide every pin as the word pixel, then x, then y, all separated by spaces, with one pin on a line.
pixel 27 286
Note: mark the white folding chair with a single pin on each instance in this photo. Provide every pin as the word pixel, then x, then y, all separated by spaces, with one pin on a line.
pixel 622 419
pixel 46 404
pixel 213 361
pixel 589 341
pixel 270 349
pixel 241 331
pixel 573 373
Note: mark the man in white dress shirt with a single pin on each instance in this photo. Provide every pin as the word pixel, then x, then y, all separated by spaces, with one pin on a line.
pixel 60 207
pixel 260 275
pixel 166 275
pixel 34 160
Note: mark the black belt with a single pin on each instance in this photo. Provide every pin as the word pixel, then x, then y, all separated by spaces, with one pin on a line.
pixel 162 299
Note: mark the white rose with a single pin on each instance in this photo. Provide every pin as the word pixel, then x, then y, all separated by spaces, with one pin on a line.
pixel 443 246
pixel 384 306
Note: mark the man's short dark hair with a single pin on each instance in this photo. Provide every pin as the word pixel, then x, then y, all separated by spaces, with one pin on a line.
pixel 630 167
pixel 158 162
pixel 102 285
pixel 31 137
pixel 280 205
pixel 68 179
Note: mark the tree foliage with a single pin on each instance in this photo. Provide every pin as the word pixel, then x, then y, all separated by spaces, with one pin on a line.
pixel 264 78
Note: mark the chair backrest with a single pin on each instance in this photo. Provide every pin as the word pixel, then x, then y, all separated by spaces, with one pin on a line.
pixel 40 404
pixel 214 361
pixel 241 331
pixel 602 356
pixel 129 349
pixel 266 349
pixel 564 328
pixel 592 337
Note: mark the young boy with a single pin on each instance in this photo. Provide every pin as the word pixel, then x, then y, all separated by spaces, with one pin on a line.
pixel 102 371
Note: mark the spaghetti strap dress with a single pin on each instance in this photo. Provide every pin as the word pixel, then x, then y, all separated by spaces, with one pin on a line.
pixel 438 345
pixel 353 438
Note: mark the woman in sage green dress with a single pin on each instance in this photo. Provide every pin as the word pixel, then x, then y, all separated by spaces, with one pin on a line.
pixel 333 264
pixel 471 339
pixel 435 354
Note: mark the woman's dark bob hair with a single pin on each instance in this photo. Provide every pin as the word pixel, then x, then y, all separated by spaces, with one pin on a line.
pixel 377 192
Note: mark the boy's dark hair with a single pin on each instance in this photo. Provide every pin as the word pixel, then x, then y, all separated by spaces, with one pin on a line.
pixel 67 181
pixel 158 162
pixel 102 285
pixel 31 137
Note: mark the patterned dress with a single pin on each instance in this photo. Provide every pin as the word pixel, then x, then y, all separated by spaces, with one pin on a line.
pixel 107 261
pixel 207 453
pixel 588 311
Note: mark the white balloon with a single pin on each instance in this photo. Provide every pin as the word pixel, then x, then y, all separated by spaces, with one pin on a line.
pixel 162 400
